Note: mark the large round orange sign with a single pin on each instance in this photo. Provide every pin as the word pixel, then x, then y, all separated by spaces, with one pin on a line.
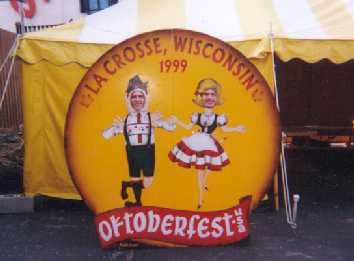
pixel 172 119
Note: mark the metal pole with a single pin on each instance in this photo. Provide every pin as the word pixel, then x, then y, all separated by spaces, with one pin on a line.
pixel 22 18
pixel 291 213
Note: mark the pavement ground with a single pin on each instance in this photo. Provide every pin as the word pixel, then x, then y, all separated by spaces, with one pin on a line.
pixel 64 229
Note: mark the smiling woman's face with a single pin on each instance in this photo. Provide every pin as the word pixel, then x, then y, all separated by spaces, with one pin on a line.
pixel 209 98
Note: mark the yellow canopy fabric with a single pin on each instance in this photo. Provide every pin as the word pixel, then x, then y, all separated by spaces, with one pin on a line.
pixel 47 90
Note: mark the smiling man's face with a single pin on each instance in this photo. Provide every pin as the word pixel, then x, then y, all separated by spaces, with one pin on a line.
pixel 137 100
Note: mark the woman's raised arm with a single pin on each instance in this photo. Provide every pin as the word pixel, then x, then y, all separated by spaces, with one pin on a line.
pixel 239 128
pixel 174 119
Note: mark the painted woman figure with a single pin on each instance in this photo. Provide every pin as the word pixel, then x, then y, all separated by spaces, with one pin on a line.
pixel 201 150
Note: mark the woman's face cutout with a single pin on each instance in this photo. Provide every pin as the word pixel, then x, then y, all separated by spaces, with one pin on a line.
pixel 209 98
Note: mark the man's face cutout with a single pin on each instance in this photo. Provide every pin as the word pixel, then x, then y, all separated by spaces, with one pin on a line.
pixel 137 100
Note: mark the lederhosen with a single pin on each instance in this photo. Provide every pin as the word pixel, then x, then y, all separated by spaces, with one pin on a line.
pixel 207 129
pixel 140 157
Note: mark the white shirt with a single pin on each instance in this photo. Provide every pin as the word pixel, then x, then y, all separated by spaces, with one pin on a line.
pixel 138 129
pixel 208 119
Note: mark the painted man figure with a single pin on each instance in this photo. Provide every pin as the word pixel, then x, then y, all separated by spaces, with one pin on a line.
pixel 138 130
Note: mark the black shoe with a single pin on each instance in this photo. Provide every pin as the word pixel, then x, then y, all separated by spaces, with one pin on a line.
pixel 123 191
pixel 132 204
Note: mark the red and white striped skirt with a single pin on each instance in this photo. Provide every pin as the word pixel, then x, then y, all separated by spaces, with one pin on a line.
pixel 200 150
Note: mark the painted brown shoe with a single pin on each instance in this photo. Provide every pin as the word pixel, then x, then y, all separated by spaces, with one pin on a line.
pixel 132 204
pixel 123 191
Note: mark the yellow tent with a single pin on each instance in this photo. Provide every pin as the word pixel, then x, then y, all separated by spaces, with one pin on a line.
pixel 54 60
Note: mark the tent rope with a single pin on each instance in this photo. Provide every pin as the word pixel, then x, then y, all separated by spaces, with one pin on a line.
pixel 291 212
pixel 12 52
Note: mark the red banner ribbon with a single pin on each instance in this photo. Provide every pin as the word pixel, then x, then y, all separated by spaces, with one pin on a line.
pixel 175 226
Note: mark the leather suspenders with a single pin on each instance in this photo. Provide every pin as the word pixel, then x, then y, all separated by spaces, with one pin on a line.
pixel 149 134
pixel 125 132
